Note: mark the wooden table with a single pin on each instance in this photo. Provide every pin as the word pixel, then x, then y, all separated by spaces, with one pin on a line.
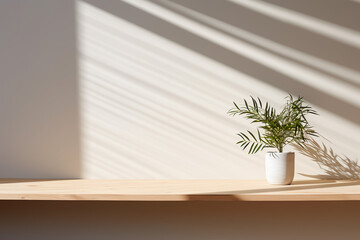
pixel 177 190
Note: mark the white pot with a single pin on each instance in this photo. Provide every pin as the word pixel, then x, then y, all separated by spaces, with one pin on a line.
pixel 279 167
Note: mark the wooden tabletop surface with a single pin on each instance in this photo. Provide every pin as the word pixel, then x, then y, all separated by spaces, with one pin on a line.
pixel 177 190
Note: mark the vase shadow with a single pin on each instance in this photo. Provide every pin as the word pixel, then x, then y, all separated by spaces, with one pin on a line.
pixel 334 166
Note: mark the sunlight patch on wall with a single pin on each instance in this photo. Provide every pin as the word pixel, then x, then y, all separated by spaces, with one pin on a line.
pixel 298 72
pixel 152 108
pixel 304 58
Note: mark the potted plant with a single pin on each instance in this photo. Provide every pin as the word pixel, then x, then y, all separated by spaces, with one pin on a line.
pixel 276 130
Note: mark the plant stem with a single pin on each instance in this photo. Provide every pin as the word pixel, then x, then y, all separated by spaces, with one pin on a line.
pixel 281 148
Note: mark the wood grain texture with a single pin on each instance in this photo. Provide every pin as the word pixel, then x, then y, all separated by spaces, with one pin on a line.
pixel 177 190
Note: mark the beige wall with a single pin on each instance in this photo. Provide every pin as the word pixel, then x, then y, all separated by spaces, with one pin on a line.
pixel 158 77
pixel 148 99
pixel 39 126
pixel 138 89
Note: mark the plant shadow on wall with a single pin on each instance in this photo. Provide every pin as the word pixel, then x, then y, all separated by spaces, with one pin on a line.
pixel 333 165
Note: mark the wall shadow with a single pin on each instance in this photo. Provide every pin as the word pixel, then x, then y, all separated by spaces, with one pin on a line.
pixel 320 45
pixel 58 220
pixel 333 165
pixel 136 37
pixel 39 92
pixel 301 185
pixel 348 10
pixel 39 106
pixel 281 31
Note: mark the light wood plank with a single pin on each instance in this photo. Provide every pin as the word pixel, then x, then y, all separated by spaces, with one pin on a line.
pixel 177 190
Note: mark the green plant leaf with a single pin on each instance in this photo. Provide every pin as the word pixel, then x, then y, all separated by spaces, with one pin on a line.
pixel 278 129
pixel 252 136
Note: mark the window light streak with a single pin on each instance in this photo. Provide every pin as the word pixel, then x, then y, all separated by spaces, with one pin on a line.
pixel 103 157
pixel 121 147
pixel 106 105
pixel 191 78
pixel 132 142
pixel 97 115
pixel 316 25
pixel 135 151
pixel 110 95
pixel 107 153
pixel 164 86
pixel 319 63
pixel 214 112
pixel 97 168
pixel 132 148
pixel 302 74
pixel 100 159
pixel 142 124
pixel 112 56
pixel 148 66
pixel 155 108
pixel 211 68
pixel 169 120
pixel 214 71
pixel 173 47
pixel 206 133
pixel 149 113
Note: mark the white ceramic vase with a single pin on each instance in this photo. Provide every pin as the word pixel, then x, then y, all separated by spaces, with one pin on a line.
pixel 280 167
